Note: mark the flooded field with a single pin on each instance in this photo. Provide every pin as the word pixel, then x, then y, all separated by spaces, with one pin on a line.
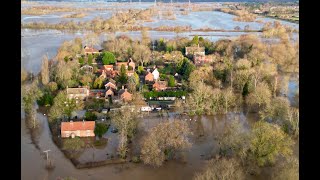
pixel 36 43
pixel 204 130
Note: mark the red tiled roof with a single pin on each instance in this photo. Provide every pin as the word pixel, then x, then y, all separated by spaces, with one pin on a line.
pixel 107 66
pixel 122 63
pixel 74 126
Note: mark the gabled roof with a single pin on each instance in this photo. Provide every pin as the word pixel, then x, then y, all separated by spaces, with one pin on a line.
pixel 126 96
pixel 161 83
pixel 74 126
pixel 107 66
pixel 120 63
pixel 109 83
pixel 90 49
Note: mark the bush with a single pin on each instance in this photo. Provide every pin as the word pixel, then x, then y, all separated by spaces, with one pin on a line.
pixel 66 59
pixel 100 129
pixel 130 68
pixel 108 58
pixel 163 77
pixel 52 86
pixel 81 60
pixel 136 159
pixel 171 81
pixel 140 70
pixel 46 99
pixel 90 57
pixel 90 116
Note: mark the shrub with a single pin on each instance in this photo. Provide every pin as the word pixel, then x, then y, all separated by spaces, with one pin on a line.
pixel 52 86
pixel 90 116
pixel 136 159
pixel 140 70
pixel 90 57
pixel 81 60
pixel 108 58
pixel 46 99
pixel 171 81
pixel 100 129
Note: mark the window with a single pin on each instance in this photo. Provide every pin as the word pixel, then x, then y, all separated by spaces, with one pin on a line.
pixel 88 132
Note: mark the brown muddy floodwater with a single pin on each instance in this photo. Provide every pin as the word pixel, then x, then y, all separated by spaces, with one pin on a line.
pixel 204 130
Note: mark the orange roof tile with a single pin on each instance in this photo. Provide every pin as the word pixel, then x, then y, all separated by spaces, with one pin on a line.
pixel 74 126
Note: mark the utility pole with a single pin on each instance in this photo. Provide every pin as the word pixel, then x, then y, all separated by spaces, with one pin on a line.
pixel 47 152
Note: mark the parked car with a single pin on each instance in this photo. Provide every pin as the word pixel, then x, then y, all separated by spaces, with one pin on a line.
pixel 114 130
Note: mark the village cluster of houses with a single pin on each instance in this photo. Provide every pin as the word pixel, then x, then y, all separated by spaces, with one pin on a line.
pixel 152 77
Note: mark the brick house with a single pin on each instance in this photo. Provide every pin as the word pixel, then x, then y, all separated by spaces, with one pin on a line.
pixel 97 92
pixel 195 50
pixel 155 74
pixel 108 67
pixel 132 64
pixel 126 64
pixel 124 95
pixel 199 60
pixel 119 64
pixel 149 77
pixel 109 92
pixel 111 84
pixel 90 50
pixel 160 85
pixel 80 129
pixel 130 73
pixel 81 93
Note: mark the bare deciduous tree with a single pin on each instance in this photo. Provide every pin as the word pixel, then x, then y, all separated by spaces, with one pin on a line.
pixel 163 141
pixel 222 168
pixel 45 70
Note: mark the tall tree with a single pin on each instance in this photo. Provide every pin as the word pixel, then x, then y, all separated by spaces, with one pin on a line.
pixel 91 39
pixel 145 39
pixel 267 143
pixel 221 168
pixel 30 94
pixel 234 139
pixel 126 122
pixel 163 141
pixel 108 58
pixel 260 98
pixel 123 77
pixel 141 54
pixel 288 169
pixel 63 107
pixel 45 70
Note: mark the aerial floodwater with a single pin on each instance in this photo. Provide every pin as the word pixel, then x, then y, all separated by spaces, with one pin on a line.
pixel 206 124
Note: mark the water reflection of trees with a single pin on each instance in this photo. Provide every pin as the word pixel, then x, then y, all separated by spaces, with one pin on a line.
pixel 34 126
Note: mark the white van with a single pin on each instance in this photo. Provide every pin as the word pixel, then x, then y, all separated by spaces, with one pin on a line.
pixel 146 109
